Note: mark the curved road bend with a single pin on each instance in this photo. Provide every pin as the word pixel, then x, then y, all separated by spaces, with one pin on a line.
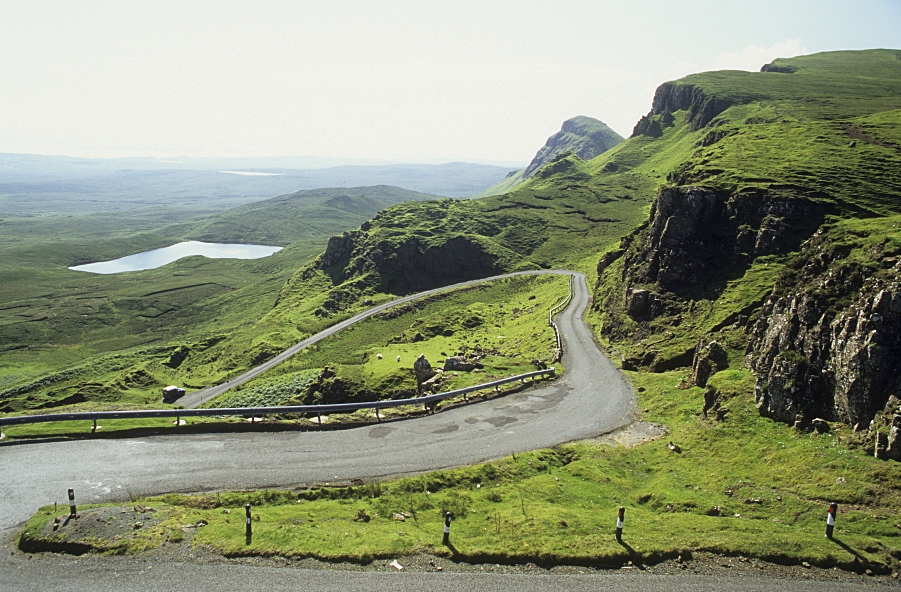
pixel 592 398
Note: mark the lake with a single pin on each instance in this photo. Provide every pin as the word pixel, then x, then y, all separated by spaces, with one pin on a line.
pixel 159 257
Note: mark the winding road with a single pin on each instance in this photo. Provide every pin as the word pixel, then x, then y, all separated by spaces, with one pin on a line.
pixel 592 398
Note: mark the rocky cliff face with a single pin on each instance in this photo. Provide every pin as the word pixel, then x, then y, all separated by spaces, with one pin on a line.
pixel 694 233
pixel 828 342
pixel 583 136
pixel 670 97
pixel 407 266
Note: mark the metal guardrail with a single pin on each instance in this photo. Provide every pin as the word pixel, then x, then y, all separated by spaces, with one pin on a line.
pixel 550 315
pixel 427 400
pixel 263 411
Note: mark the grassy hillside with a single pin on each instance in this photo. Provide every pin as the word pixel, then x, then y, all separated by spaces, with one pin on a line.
pixel 311 215
pixel 53 320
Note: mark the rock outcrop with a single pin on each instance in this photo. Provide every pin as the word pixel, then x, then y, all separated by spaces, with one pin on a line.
pixel 694 233
pixel 828 341
pixel 708 360
pixel 461 364
pixel 423 370
pixel 701 108
pixel 410 265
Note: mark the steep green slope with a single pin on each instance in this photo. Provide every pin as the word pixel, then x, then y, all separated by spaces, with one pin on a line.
pixel 769 160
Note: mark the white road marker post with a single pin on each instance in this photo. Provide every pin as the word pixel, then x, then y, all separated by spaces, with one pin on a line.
pixel 72 512
pixel 447 521
pixel 248 534
pixel 620 519
pixel 830 519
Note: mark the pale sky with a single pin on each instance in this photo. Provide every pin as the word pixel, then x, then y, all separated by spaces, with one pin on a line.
pixel 414 81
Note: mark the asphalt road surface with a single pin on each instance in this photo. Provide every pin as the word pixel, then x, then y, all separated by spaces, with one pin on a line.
pixel 50 574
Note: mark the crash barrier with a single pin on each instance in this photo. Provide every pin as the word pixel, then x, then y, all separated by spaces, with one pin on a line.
pixel 550 315
pixel 428 400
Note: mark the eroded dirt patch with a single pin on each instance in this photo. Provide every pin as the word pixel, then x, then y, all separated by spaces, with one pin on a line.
pixel 634 434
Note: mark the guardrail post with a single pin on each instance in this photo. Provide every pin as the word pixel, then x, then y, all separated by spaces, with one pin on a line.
pixel 378 418
pixel 72 511
pixel 620 519
pixel 94 429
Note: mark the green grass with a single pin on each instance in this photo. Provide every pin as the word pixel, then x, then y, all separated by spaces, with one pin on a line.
pixel 505 322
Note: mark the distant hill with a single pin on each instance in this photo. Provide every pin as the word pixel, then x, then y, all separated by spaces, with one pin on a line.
pixel 585 137
pixel 32 184
pixel 311 215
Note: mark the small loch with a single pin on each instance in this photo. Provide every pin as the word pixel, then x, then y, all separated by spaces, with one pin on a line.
pixel 159 257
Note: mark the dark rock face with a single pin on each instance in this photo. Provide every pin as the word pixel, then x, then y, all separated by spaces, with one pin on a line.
pixel 647 127
pixel 828 343
pixel 583 136
pixel 786 69
pixel 423 370
pixel 694 233
pixel 409 266
pixel 671 97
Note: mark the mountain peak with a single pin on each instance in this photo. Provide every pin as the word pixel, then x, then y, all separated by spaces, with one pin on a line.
pixel 586 137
